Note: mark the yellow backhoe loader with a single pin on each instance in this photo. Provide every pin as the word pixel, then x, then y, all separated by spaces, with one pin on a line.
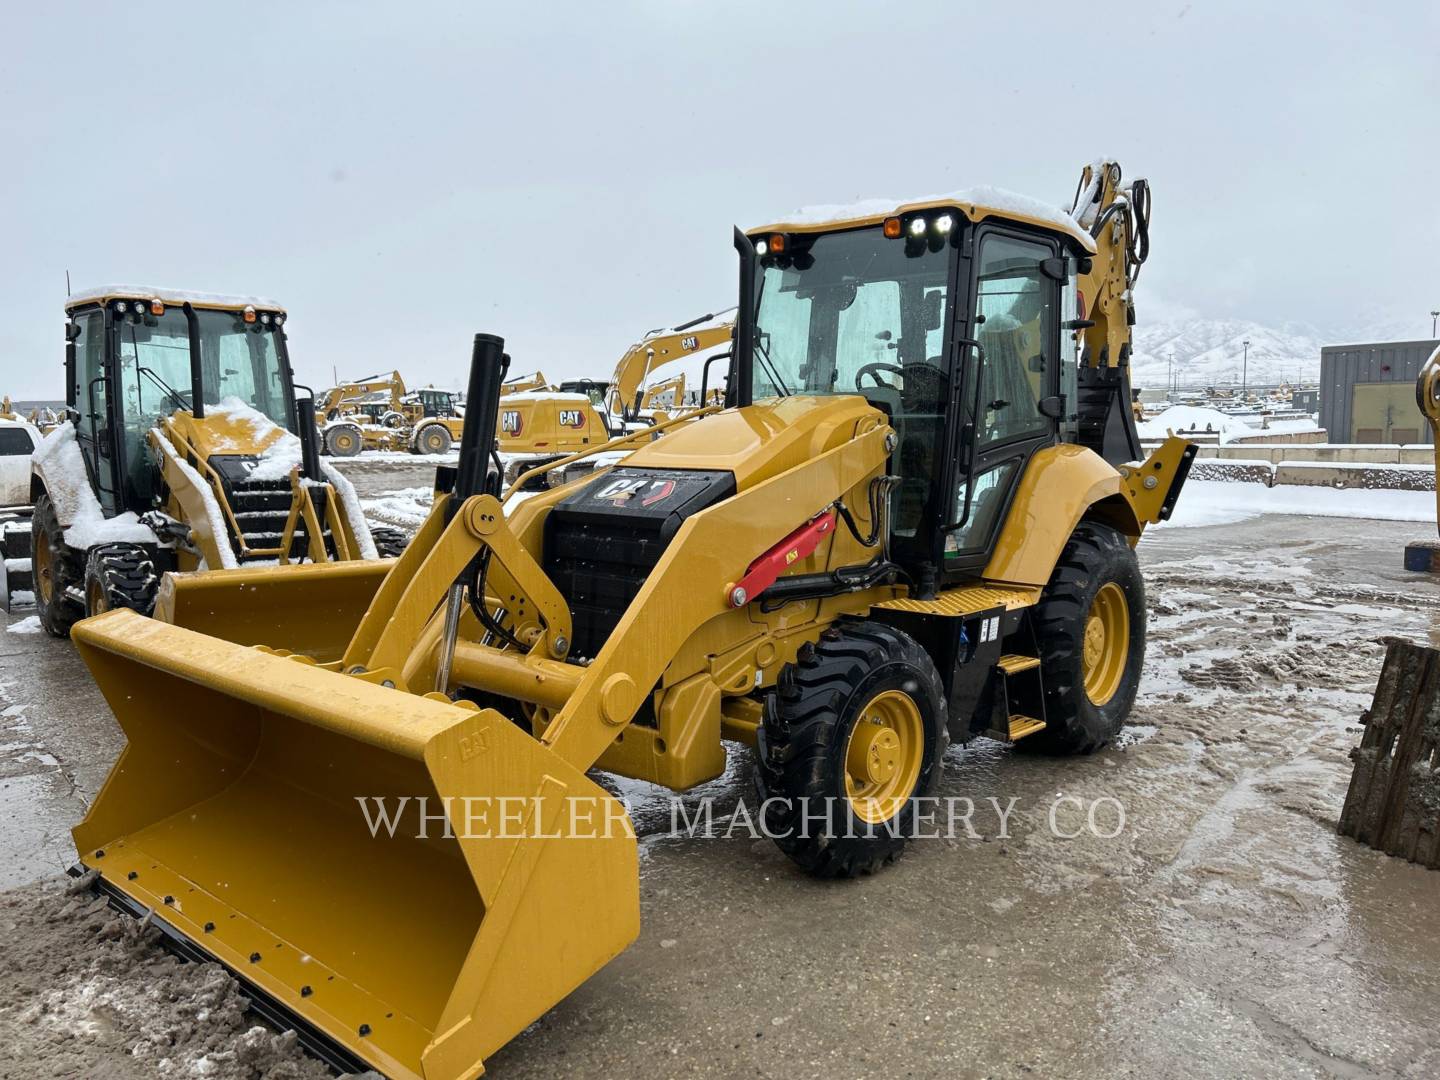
pixel 913 522
pixel 178 454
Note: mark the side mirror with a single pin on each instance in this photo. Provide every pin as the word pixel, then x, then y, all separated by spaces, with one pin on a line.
pixel 1052 407
pixel 1054 268
pixel 72 331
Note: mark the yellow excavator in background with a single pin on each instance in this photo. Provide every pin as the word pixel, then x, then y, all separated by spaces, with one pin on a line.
pixel 178 455
pixel 1424 555
pixel 913 522
pixel 539 426
pixel 536 380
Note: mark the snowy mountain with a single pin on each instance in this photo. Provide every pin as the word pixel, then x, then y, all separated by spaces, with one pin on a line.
pixel 1203 351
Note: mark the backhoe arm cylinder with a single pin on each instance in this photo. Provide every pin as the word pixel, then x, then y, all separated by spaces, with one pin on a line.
pixel 488 365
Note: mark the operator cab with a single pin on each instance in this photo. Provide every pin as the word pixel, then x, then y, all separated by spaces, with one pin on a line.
pixel 440 403
pixel 136 355
pixel 953 321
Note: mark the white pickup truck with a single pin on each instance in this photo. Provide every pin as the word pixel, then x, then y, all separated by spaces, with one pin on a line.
pixel 18 440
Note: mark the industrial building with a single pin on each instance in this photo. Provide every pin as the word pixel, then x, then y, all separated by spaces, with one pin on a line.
pixel 1367 392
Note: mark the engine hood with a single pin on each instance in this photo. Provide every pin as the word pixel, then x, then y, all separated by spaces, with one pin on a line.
pixel 759 441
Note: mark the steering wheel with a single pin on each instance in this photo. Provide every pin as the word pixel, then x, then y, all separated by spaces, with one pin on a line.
pixel 874 369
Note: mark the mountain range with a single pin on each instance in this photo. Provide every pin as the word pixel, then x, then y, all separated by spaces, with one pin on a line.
pixel 1197 351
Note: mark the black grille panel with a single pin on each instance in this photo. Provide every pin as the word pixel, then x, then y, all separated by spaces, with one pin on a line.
pixel 602 542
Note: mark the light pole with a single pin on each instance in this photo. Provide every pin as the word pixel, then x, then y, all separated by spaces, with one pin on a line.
pixel 1245 372
pixel 1434 316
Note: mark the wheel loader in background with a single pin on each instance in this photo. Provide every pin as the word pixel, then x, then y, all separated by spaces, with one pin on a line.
pixel 914 522
pixel 378 413
pixel 176 456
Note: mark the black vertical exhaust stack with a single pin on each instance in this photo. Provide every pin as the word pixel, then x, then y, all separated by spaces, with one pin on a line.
pixel 197 367
pixel 488 365
pixel 308 434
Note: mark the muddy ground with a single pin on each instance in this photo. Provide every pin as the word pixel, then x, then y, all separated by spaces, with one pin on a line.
pixel 1225 931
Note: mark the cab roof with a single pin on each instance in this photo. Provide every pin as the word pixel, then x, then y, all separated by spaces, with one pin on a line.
pixel 175 297
pixel 976 203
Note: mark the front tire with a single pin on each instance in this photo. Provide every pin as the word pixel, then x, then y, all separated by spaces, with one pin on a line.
pixel 851 737
pixel 389 543
pixel 56 570
pixel 1091 626
pixel 120 576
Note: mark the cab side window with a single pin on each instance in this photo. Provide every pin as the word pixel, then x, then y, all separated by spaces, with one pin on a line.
pixel 1016 300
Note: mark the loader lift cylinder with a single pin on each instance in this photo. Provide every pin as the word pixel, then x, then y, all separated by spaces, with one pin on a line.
pixel 488 365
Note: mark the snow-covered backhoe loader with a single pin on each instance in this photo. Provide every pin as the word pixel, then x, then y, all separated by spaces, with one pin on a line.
pixel 914 522
pixel 185 448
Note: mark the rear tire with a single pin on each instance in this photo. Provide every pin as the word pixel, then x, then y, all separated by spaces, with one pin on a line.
pixel 120 576
pixel 433 439
pixel 389 543
pixel 343 440
pixel 56 568
pixel 838 807
pixel 1095 601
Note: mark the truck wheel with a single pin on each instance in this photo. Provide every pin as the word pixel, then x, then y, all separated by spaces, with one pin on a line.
pixel 852 735
pixel 342 440
pixel 433 439
pixel 1091 626
pixel 55 569
pixel 389 543
pixel 120 576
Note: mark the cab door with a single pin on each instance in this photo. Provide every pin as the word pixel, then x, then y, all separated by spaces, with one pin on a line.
pixel 1009 402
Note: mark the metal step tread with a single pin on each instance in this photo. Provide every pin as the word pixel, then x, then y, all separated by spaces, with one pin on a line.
pixel 1014 663
pixel 1021 726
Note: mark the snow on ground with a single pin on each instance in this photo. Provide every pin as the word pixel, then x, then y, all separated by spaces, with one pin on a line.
pixel 1196 418
pixel 1214 502
pixel 29 625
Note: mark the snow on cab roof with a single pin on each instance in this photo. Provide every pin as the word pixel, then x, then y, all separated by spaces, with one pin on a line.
pixel 170 296
pixel 975 202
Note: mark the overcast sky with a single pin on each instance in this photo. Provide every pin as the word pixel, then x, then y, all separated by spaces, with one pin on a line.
pixel 566 175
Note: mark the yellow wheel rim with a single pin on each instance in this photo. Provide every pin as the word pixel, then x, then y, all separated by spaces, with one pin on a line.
pixel 883 756
pixel 95 599
pixel 344 441
pixel 1107 643
pixel 44 571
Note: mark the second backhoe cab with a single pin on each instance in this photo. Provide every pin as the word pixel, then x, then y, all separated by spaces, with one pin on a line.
pixel 963 327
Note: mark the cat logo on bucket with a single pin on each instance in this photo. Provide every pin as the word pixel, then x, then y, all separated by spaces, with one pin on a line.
pixel 510 422
pixel 574 418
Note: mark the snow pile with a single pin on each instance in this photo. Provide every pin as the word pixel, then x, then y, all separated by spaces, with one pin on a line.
pixel 29 625
pixel 1180 418
pixel 64 469
pixel 281 451
pixel 1216 502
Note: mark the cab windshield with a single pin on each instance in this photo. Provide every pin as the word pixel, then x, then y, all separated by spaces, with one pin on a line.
pixel 238 359
pixel 850 312
pixel 857 313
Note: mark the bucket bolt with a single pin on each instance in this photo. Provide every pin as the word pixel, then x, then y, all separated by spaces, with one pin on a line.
pixel 561 646
pixel 132 875
pixel 254 957
pixel 306 990
pixel 169 900
pixel 209 927
pixel 364 1030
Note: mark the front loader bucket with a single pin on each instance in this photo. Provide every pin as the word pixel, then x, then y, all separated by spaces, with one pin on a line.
pixel 310 608
pixel 234 814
